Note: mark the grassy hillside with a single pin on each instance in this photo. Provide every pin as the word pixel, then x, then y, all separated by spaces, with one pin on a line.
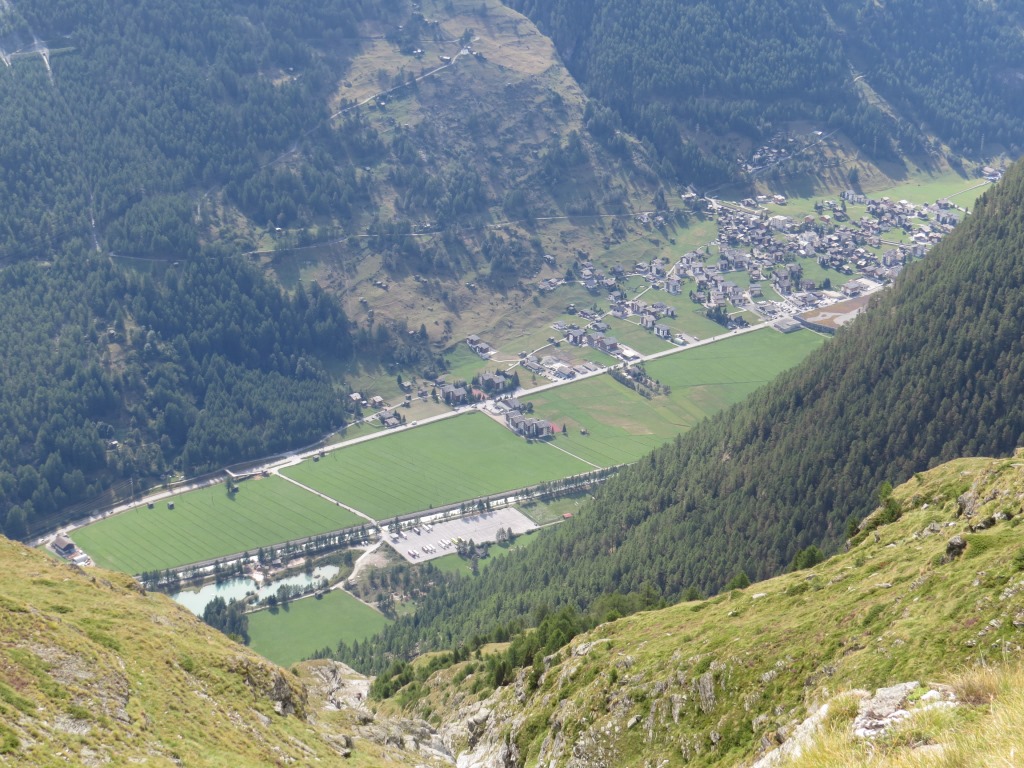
pixel 94 672
pixel 716 682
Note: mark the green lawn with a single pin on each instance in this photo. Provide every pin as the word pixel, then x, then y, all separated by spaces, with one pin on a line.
pixel 632 335
pixel 544 512
pixel 927 189
pixel 308 625
pixel 441 463
pixel 623 426
pixel 208 523
pixel 692 321
pixel 454 564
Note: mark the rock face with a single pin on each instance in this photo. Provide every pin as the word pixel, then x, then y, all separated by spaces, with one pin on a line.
pixel 269 682
pixel 887 707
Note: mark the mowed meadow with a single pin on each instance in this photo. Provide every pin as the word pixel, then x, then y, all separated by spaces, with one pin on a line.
pixel 440 463
pixel 208 523
pixel 302 627
pixel 621 425
pixel 449 461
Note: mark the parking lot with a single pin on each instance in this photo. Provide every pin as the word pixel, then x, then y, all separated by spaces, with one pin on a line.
pixel 481 527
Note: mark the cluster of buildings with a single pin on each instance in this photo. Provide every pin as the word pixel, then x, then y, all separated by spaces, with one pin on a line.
pixel 66 548
pixel 555 368
pixel 481 347
pixel 521 423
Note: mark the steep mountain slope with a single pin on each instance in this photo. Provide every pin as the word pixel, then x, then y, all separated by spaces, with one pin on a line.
pixel 116 377
pixel 686 75
pixel 94 672
pixel 932 588
pixel 933 371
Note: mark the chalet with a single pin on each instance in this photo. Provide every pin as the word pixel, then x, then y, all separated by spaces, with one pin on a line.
pixel 377 401
pixel 454 395
pixel 662 331
pixel 531 364
pixel 607 344
pixel 355 397
pixel 63 546
pixel 528 426
pixel 482 348
pixel 755 290
pixel 674 286
pixel 599 326
pixel 852 288
pixel 492 382
pixel 648 321
pixel 576 336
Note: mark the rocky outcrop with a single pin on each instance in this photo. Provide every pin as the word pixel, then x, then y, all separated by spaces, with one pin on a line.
pixel 268 681
pixel 955 547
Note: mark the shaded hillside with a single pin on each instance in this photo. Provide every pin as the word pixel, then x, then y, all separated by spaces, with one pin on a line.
pixel 934 370
pixel 114 376
pixel 932 591
pixel 95 672
pixel 676 71
pixel 281 125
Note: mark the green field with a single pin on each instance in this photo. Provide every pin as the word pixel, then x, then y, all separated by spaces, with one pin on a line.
pixel 308 625
pixel 692 321
pixel 440 463
pixel 927 189
pixel 207 523
pixel 632 335
pixel 446 462
pixel 454 564
pixel 623 426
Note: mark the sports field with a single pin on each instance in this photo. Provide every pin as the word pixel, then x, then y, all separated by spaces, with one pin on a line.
pixel 440 463
pixel 307 625
pixel 207 523
pixel 622 426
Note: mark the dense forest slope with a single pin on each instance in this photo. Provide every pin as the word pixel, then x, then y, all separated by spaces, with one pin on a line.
pixel 280 125
pixel 932 590
pixel 934 370
pixel 115 376
pixel 670 70
pixel 95 672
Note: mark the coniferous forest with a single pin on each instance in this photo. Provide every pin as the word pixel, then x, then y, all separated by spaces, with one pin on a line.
pixel 207 366
pixel 935 370
pixel 734 70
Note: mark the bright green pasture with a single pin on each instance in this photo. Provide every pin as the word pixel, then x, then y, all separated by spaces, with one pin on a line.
pixel 441 463
pixel 927 189
pixel 293 633
pixel 622 426
pixel 633 335
pixel 691 320
pixel 207 523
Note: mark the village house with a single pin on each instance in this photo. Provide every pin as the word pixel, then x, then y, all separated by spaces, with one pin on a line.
pixel 63 546
pixel 576 336
pixel 454 395
pixel 662 331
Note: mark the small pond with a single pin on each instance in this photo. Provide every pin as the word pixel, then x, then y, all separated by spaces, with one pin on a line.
pixel 237 588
